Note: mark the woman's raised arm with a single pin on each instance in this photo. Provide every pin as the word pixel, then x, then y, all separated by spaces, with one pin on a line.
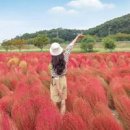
pixel 78 37
pixel 71 45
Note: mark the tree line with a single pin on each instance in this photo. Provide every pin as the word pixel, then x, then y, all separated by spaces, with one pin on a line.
pixel 40 41
pixel 117 29
pixel 63 34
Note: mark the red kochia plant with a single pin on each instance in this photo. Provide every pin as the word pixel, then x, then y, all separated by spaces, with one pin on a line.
pixel 3 90
pixel 30 105
pixel 72 121
pixel 126 84
pixel 105 122
pixel 5 122
pixel 25 113
pixel 100 108
pixel 83 109
pixel 94 92
pixel 48 118
pixel 122 105
pixel 26 102
pixel 71 95
pixel 6 103
pixel 28 88
pixel 69 101
pixel 10 80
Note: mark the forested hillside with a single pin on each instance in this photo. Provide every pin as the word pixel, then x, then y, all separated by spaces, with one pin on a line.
pixel 117 25
pixel 65 34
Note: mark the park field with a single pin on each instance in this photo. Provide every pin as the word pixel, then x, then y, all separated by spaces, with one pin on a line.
pixel 98 47
pixel 98 92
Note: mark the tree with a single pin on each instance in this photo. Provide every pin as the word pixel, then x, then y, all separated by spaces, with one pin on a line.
pixel 109 43
pixel 87 43
pixel 56 39
pixel 19 43
pixel 6 44
pixel 40 41
pixel 65 34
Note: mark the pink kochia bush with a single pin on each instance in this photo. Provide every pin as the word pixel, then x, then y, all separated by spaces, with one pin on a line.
pixel 37 112
pixel 83 109
pixel 94 92
pixel 3 90
pixel 72 121
pixel 122 104
pixel 48 118
pixel 6 103
pixel 87 87
pixel 6 123
pixel 95 82
pixel 103 119
pixel 25 107
pixel 105 122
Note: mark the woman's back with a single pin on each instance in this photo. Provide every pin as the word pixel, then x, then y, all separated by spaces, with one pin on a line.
pixel 66 55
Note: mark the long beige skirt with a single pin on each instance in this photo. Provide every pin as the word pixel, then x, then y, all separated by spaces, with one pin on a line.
pixel 55 97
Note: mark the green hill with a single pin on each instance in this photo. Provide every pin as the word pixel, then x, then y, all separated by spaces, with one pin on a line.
pixel 117 25
pixel 65 34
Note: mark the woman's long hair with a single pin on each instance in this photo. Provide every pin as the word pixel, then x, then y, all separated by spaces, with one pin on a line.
pixel 58 63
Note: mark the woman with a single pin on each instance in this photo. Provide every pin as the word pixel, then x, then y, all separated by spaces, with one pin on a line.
pixel 58 68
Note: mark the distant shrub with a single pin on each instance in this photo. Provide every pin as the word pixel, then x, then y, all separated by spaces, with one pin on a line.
pixel 109 43
pixel 87 44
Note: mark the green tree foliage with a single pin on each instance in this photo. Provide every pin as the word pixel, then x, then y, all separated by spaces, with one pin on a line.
pixel 6 44
pixel 121 37
pixel 30 41
pixel 41 41
pixel 118 29
pixel 56 39
pixel 109 43
pixel 87 43
pixel 65 34
pixel 19 43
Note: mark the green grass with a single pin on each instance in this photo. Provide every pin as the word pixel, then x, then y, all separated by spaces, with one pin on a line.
pixel 121 47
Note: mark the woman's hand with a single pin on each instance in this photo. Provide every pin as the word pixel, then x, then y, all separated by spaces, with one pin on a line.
pixel 80 36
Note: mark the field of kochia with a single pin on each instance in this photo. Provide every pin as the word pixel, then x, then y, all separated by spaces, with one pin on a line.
pixel 98 92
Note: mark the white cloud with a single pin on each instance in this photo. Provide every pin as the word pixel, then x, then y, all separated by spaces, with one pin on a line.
pixel 76 6
pixel 62 10
pixel 109 6
pixel 58 9
pixel 89 4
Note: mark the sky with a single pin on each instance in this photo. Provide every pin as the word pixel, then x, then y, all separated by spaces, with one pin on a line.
pixel 27 16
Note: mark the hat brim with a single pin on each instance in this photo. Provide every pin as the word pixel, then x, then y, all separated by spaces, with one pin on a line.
pixel 58 52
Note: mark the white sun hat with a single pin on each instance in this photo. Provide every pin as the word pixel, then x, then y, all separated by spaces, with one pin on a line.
pixel 56 49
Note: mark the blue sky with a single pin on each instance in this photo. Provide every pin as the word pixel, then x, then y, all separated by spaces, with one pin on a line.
pixel 25 16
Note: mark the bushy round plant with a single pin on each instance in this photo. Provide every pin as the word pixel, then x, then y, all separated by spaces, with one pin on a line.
pixel 109 43
pixel 87 44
